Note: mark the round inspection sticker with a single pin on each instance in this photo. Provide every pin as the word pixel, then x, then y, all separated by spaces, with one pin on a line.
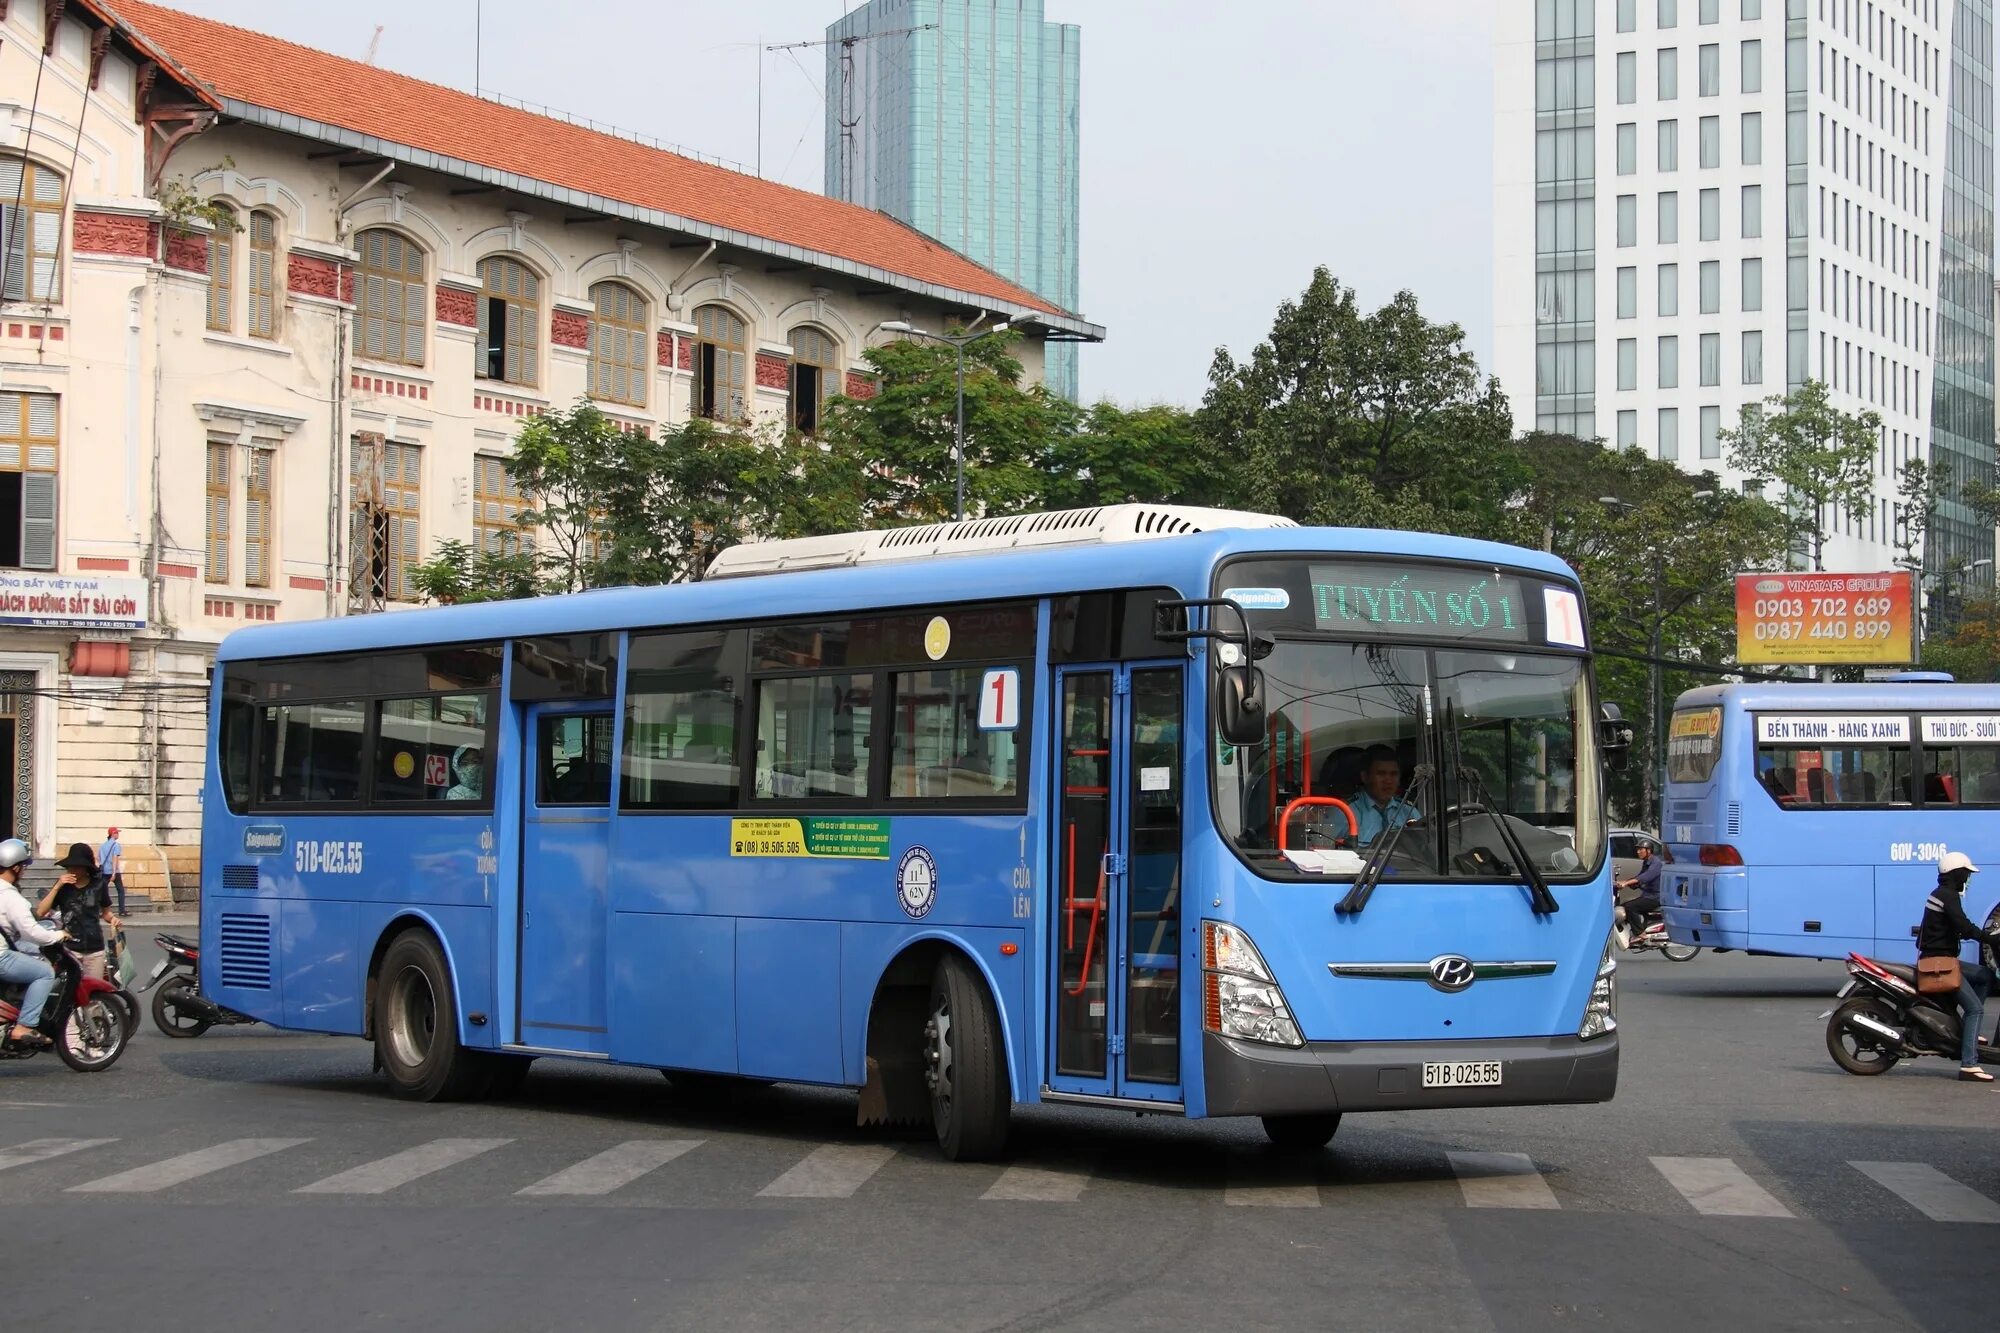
pixel 916 882
pixel 937 637
pixel 405 763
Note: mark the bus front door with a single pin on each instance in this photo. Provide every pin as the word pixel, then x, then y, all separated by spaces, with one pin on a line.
pixel 565 881
pixel 1117 945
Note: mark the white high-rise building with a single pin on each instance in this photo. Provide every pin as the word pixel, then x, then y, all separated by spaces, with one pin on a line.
pixel 1702 203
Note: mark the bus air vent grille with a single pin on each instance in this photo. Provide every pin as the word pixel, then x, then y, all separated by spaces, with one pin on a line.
pixel 1735 818
pixel 246 951
pixel 239 879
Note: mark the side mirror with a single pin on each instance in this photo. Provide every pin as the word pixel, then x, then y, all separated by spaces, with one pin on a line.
pixel 1615 735
pixel 1239 704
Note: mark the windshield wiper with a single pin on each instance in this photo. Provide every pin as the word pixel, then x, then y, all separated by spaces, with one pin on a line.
pixel 1385 844
pixel 1539 896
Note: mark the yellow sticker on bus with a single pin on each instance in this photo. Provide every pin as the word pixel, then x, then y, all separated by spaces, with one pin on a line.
pixel 851 837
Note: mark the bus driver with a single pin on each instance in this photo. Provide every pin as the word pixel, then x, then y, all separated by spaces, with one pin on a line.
pixel 1377 806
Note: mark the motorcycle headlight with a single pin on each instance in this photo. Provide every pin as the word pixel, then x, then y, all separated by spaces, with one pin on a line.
pixel 1600 1013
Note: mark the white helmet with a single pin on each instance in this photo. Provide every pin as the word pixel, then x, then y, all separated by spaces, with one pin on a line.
pixel 1949 862
pixel 14 852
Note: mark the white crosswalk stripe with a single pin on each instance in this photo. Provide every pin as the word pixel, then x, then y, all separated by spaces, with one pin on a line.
pixel 188 1166
pixel 1718 1187
pixel 385 1174
pixel 1033 1184
pixel 1271 1196
pixel 1501 1180
pixel 616 1166
pixel 41 1150
pixel 1930 1191
pixel 832 1172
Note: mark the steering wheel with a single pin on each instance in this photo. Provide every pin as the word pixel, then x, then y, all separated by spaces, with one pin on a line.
pixel 1285 819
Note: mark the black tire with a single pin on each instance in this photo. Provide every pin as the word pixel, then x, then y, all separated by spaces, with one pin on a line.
pixel 1679 953
pixel 506 1073
pixel 1857 1050
pixel 94 1035
pixel 416 1025
pixel 965 1065
pixel 1301 1133
pixel 169 1019
pixel 131 1003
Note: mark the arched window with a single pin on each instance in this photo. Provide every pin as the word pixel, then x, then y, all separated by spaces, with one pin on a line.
pixel 221 270
pixel 510 322
pixel 263 282
pixel 814 376
pixel 619 344
pixel 721 364
pixel 392 307
pixel 31 202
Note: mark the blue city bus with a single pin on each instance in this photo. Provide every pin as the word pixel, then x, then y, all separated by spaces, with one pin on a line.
pixel 1807 818
pixel 946 815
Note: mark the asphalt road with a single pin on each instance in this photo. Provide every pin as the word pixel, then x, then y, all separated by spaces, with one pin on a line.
pixel 254 1180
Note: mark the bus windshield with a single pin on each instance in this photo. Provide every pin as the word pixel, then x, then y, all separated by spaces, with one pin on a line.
pixel 1506 734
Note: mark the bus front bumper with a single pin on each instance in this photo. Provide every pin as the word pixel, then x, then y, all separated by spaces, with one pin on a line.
pixel 1243 1078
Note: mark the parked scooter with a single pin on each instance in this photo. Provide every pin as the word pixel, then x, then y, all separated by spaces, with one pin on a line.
pixel 83 1017
pixel 1882 1018
pixel 179 1007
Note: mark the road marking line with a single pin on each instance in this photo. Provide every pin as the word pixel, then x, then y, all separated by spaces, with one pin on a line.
pixel 385 1174
pixel 1930 1191
pixel 189 1165
pixel 1034 1184
pixel 41 1150
pixel 1501 1180
pixel 834 1171
pixel 1718 1187
pixel 615 1166
pixel 1271 1196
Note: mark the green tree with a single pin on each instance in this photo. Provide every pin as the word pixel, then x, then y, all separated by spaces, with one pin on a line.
pixel 456 573
pixel 1823 458
pixel 565 459
pixel 1107 454
pixel 1366 419
pixel 1918 491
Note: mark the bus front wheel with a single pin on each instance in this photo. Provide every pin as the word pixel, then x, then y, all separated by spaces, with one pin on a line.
pixel 965 1064
pixel 1301 1133
pixel 416 1025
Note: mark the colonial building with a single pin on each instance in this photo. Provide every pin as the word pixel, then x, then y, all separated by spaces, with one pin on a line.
pixel 271 319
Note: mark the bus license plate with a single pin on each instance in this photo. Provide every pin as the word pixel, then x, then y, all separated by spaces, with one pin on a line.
pixel 1463 1074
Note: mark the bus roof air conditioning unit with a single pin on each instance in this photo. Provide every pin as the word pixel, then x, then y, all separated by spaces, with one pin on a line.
pixel 1014 532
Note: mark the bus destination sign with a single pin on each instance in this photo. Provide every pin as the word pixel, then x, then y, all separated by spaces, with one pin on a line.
pixel 1423 602
pixel 1850 619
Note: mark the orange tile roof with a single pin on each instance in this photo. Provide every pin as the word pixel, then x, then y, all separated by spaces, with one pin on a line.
pixel 275 75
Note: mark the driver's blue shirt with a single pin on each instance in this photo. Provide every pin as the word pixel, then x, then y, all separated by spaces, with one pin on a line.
pixel 1648 878
pixel 1371 819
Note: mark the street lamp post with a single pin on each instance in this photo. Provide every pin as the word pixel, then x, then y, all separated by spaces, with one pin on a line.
pixel 958 342
pixel 1655 629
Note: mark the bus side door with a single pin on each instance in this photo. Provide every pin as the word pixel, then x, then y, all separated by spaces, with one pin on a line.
pixel 1116 992
pixel 565 882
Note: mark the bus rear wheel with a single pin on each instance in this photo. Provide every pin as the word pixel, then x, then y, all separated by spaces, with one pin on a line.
pixel 416 1025
pixel 965 1065
pixel 1301 1133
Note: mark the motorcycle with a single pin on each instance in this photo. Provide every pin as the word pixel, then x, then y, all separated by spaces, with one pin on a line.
pixel 179 1007
pixel 84 1018
pixel 1882 1018
pixel 1652 935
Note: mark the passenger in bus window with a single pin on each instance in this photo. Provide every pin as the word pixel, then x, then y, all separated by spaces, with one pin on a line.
pixel 1379 805
pixel 468 766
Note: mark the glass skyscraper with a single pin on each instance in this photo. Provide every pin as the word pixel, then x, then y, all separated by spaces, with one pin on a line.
pixel 960 118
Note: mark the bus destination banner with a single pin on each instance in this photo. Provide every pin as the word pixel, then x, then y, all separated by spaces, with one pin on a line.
pixel 1833 729
pixel 1850 619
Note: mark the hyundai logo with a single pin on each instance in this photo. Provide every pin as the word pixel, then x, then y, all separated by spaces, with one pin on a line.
pixel 1451 973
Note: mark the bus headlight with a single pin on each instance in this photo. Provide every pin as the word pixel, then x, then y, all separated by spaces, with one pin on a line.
pixel 1240 997
pixel 1601 1014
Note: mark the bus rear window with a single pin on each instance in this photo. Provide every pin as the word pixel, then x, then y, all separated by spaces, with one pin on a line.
pixel 310 753
pixel 1694 743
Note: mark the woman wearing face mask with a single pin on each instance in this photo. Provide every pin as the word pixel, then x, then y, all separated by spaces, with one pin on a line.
pixel 1944 927
pixel 468 765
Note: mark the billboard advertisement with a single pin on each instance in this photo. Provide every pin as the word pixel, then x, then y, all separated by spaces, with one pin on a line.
pixel 72 601
pixel 1825 619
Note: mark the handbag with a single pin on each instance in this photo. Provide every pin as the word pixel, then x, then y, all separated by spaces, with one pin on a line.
pixel 127 969
pixel 1938 976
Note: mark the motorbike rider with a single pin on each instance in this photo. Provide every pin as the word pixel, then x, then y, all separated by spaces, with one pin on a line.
pixel 1944 927
pixel 1647 883
pixel 18 923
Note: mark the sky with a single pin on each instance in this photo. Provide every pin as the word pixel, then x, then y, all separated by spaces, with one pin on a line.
pixel 1229 146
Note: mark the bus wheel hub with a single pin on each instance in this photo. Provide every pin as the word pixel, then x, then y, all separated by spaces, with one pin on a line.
pixel 937 1053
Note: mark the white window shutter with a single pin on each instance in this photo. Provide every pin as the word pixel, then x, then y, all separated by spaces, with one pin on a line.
pixel 38 520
